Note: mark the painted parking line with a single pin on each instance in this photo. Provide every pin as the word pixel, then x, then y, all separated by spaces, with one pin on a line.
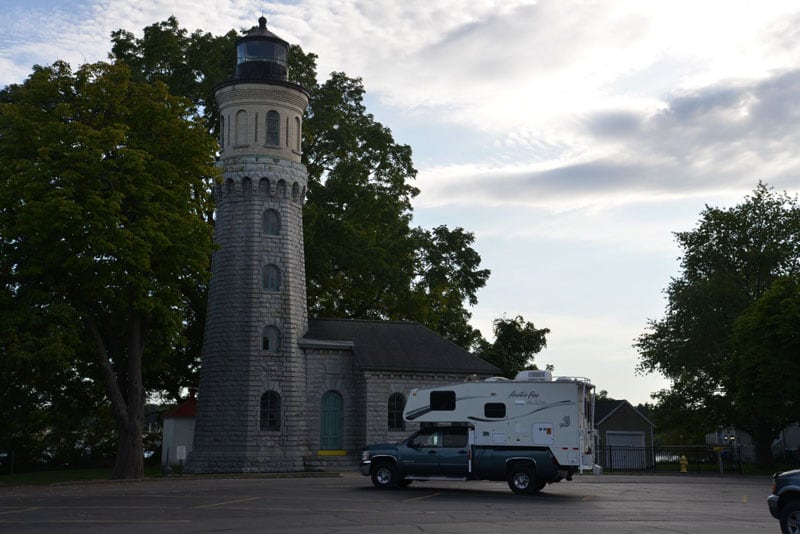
pixel 423 497
pixel 97 521
pixel 226 502
pixel 18 510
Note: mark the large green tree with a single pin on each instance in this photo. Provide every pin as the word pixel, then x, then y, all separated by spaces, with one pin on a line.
pixel 103 189
pixel 730 261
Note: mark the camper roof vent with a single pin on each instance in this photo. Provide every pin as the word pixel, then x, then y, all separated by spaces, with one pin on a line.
pixel 534 376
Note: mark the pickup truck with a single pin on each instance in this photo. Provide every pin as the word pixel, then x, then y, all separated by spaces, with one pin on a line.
pixel 449 453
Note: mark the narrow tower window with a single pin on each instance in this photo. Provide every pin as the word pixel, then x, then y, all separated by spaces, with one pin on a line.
pixel 270 411
pixel 222 132
pixel 271 222
pixel 241 128
pixel 271 277
pixel 297 133
pixel 273 128
pixel 270 339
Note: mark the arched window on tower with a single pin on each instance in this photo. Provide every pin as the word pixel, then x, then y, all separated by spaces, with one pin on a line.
pixel 270 339
pixel 270 411
pixel 271 222
pixel 396 404
pixel 241 128
pixel 271 277
pixel 222 132
pixel 273 128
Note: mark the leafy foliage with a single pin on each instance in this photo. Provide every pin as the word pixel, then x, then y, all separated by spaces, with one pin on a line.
pixel 190 65
pixel 516 343
pixel 730 261
pixel 102 227
pixel 761 374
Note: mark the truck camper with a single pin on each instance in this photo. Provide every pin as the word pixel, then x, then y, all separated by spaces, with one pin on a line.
pixel 529 431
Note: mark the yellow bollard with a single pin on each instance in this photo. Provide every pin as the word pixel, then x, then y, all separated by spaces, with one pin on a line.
pixel 684 464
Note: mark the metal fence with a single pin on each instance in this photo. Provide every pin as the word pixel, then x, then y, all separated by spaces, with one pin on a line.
pixel 668 458
pixel 6 462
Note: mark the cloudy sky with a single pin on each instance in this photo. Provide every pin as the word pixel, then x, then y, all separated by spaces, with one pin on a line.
pixel 572 137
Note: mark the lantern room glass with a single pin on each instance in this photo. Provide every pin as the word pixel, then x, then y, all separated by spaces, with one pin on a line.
pixel 261 50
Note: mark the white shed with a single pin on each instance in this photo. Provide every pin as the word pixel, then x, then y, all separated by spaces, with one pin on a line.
pixel 178 433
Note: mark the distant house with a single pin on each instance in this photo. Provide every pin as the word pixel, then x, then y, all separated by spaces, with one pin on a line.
pixel 624 436
pixel 787 445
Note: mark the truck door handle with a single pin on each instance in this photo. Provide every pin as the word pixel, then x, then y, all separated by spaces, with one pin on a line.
pixel 432 451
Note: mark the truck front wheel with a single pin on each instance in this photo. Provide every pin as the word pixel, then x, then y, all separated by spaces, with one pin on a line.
pixel 522 480
pixel 384 475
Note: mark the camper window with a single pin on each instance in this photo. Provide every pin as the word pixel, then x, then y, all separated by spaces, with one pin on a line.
pixel 443 401
pixel 494 410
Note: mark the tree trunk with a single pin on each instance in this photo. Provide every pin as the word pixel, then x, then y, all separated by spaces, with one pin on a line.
pixel 126 396
pixel 130 454
pixel 763 443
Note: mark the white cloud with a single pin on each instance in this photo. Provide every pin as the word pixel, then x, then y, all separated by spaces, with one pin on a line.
pixel 716 139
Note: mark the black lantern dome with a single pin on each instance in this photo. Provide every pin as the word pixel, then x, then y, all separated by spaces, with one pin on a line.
pixel 262 55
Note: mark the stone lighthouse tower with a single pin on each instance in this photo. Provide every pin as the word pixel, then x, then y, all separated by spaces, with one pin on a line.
pixel 252 401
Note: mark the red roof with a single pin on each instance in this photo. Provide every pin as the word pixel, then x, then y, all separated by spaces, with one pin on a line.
pixel 186 409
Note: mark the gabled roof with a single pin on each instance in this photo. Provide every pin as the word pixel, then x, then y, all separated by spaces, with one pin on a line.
pixel 188 408
pixel 394 346
pixel 605 408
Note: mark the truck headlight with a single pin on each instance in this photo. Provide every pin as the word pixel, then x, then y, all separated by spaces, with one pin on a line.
pixel 365 456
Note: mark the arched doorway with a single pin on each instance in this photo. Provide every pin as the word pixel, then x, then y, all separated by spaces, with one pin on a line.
pixel 331 422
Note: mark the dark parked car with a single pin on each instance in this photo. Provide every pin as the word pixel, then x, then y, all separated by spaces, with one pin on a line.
pixel 784 503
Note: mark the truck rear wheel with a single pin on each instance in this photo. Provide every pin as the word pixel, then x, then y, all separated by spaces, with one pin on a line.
pixel 522 480
pixel 384 475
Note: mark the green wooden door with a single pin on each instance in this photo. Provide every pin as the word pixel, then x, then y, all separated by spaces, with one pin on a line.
pixel 331 422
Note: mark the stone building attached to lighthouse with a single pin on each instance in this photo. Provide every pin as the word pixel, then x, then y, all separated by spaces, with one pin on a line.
pixel 279 391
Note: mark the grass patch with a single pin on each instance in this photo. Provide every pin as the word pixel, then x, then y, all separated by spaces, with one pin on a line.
pixel 67 475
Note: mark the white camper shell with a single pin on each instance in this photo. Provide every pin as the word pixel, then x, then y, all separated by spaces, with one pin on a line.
pixel 533 410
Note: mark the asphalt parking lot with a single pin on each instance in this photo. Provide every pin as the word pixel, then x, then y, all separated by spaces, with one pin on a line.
pixel 348 503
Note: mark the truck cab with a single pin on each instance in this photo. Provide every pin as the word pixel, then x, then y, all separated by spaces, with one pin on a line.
pixel 431 453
